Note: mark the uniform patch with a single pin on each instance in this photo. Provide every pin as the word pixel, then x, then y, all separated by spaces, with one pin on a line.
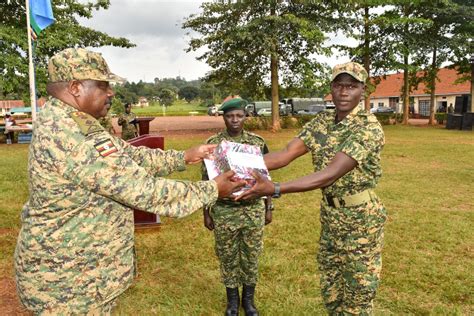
pixel 105 147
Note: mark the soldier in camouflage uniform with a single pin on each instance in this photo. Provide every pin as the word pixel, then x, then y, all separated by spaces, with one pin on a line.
pixel 75 250
pixel 238 226
pixel 345 145
pixel 106 123
pixel 128 121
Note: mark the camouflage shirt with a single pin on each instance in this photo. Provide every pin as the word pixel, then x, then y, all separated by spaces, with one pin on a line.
pixel 359 135
pixel 244 138
pixel 75 250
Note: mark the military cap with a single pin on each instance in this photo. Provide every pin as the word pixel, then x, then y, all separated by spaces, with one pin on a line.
pixel 357 71
pixel 233 104
pixel 80 64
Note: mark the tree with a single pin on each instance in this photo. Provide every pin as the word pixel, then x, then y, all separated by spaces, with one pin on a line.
pixel 448 33
pixel 65 32
pixel 166 96
pixel 188 93
pixel 398 45
pixel 251 43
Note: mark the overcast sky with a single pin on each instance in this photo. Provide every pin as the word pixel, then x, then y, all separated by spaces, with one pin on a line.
pixel 155 27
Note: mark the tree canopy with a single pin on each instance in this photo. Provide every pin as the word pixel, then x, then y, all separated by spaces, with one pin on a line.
pixel 251 43
pixel 65 32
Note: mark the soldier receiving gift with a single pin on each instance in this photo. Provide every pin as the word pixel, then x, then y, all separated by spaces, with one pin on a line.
pixel 345 145
pixel 75 250
pixel 238 226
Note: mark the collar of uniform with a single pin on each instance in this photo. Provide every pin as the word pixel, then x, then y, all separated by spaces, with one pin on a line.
pixel 350 117
pixel 62 105
pixel 243 136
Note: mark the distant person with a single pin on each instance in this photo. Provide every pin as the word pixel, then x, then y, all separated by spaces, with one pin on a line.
pixel 9 122
pixel 106 123
pixel 450 108
pixel 128 121
pixel 75 252
pixel 238 226
pixel 345 146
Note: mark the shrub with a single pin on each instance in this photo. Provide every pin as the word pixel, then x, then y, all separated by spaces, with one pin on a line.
pixel 384 118
pixel 289 122
pixel 440 117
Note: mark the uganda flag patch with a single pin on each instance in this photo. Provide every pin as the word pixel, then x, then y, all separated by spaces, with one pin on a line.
pixel 105 147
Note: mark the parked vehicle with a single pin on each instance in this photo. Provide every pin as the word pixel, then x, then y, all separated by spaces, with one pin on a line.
pixel 212 111
pixel 265 112
pixel 312 109
pixel 382 109
pixel 301 104
pixel 253 108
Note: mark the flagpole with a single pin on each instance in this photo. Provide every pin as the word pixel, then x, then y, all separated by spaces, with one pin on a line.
pixel 30 64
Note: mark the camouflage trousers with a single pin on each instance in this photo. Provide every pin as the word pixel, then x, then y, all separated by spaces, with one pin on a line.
pixel 350 256
pixel 238 233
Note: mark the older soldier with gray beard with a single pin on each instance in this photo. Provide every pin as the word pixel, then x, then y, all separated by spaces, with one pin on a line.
pixel 75 251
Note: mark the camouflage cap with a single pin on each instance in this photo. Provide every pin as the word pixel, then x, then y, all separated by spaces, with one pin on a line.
pixel 351 68
pixel 80 64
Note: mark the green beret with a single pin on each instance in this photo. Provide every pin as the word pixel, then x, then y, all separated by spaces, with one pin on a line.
pixel 233 104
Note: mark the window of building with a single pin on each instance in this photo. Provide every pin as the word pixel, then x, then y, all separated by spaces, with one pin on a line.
pixel 380 104
pixel 371 105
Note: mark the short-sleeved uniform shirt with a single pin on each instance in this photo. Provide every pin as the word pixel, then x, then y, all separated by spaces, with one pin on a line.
pixel 359 135
pixel 75 247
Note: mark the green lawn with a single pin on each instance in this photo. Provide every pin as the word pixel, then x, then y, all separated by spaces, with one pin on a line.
pixel 428 268
pixel 179 108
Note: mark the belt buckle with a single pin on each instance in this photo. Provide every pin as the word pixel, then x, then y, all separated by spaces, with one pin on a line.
pixel 333 201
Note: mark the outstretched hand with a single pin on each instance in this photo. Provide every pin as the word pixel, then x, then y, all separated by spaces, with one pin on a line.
pixel 196 154
pixel 227 184
pixel 262 187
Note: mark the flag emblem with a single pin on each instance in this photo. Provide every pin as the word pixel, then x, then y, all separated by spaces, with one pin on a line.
pixel 105 147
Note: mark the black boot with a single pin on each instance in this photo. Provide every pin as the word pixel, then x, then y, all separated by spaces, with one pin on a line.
pixel 247 300
pixel 232 301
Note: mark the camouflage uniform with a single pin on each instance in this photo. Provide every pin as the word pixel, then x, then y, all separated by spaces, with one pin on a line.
pixel 238 226
pixel 129 130
pixel 75 250
pixel 106 123
pixel 351 233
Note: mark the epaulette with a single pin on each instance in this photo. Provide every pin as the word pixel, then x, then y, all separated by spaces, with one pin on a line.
pixel 87 124
pixel 256 136
pixel 370 117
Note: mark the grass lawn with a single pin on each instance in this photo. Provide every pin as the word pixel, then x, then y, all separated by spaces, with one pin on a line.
pixel 428 258
pixel 179 108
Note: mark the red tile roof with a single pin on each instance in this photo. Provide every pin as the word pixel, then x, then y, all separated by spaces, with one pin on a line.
pixel 391 85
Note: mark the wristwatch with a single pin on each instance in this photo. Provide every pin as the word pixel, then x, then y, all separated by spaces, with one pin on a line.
pixel 277 193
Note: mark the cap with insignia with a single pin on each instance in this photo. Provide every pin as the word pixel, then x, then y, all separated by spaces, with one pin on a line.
pixel 80 64
pixel 233 104
pixel 356 70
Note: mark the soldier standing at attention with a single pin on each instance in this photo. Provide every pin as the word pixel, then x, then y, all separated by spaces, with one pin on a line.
pixel 106 123
pixel 345 145
pixel 128 121
pixel 75 250
pixel 238 226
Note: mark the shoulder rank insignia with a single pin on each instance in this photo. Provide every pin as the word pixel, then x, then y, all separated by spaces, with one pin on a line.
pixel 105 147
pixel 87 124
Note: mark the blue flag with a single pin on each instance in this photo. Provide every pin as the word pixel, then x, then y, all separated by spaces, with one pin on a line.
pixel 41 15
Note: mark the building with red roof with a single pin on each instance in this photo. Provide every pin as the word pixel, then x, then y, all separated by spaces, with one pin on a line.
pixel 388 93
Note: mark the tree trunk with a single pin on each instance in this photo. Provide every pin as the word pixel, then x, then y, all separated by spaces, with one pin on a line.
pixel 367 57
pixel 434 72
pixel 406 91
pixel 274 81
pixel 275 101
